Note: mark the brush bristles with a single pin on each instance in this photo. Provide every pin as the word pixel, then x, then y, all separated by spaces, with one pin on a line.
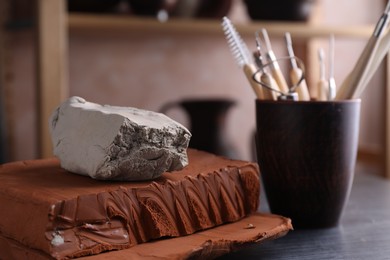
pixel 237 46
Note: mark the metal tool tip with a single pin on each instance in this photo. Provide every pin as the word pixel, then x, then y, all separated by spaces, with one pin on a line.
pixel 265 34
pixel 321 54
pixel 266 39
pixel 257 39
pixel 287 36
pixel 257 35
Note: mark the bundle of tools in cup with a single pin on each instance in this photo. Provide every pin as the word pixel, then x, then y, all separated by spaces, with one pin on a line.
pixel 265 76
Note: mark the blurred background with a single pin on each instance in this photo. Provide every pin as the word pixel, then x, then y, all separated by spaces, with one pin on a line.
pixel 168 51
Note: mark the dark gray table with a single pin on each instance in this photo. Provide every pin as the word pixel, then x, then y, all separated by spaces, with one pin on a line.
pixel 364 231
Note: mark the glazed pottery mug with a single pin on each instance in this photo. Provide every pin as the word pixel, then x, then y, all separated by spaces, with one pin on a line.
pixel 307 152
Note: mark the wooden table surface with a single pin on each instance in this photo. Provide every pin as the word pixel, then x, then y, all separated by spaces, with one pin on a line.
pixel 363 233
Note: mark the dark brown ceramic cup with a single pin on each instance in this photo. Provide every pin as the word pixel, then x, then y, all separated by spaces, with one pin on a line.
pixel 307 154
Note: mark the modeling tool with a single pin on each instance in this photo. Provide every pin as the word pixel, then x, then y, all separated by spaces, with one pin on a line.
pixel 331 82
pixel 322 85
pixel 296 74
pixel 355 82
pixel 383 50
pixel 275 69
pixel 270 87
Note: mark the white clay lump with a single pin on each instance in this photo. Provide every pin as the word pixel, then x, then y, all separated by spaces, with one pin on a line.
pixel 116 143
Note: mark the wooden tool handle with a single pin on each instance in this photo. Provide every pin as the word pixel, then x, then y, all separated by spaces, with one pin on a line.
pixel 250 70
pixel 322 90
pixel 302 90
pixel 353 85
pixel 280 80
pixel 268 80
pixel 383 49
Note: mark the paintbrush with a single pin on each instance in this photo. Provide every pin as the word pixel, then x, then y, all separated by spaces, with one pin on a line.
pixel 241 54
pixel 355 82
